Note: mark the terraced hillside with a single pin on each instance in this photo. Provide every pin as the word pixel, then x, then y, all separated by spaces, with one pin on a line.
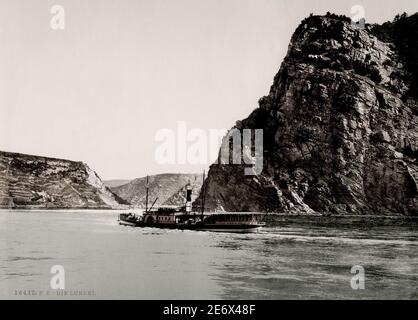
pixel 29 182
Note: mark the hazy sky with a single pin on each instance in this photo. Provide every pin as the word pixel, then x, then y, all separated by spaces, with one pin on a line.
pixel 99 90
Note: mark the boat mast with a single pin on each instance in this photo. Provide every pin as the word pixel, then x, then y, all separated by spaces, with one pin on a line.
pixel 203 193
pixel 152 206
pixel 146 197
pixel 188 198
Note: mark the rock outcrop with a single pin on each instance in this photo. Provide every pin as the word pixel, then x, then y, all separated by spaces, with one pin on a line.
pixel 340 127
pixel 170 189
pixel 33 182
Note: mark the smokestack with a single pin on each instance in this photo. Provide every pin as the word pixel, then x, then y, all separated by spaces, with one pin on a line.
pixel 188 198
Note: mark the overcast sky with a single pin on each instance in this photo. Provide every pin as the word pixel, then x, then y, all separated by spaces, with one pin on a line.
pixel 99 90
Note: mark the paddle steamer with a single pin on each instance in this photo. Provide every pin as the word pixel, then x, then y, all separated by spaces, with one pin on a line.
pixel 185 218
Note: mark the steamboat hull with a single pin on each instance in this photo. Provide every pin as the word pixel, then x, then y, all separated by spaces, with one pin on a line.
pixel 235 229
pixel 237 223
pixel 127 223
pixel 197 227
pixel 213 228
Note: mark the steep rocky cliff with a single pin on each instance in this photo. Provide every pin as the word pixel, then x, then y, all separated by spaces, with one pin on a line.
pixel 31 182
pixel 340 126
pixel 169 188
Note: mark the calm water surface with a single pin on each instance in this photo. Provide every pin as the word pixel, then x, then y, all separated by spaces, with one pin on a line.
pixel 292 258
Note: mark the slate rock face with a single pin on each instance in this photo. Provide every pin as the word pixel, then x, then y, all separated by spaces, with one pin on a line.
pixel 340 129
pixel 33 182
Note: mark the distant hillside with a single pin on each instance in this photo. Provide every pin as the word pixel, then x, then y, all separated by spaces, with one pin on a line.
pixel 31 182
pixel 115 183
pixel 169 188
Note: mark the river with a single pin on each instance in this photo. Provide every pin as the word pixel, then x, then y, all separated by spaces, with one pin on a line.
pixel 291 258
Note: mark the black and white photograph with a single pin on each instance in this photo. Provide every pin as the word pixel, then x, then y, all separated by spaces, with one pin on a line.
pixel 208 150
